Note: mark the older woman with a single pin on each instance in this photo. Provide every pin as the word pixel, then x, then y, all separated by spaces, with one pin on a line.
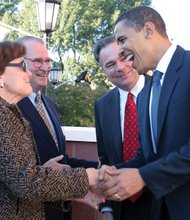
pixel 24 184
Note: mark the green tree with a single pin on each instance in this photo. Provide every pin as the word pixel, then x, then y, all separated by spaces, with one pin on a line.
pixel 21 17
pixel 27 18
pixel 76 103
pixel 81 23
pixel 8 6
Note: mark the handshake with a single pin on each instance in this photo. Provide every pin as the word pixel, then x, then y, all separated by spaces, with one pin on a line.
pixel 107 182
pixel 111 183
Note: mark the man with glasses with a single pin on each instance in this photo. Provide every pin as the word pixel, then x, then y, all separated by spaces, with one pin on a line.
pixel 42 114
pixel 38 62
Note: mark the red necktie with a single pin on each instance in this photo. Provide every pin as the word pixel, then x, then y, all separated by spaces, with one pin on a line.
pixel 131 141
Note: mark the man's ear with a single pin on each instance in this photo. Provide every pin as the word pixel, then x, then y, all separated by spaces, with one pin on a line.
pixel 149 29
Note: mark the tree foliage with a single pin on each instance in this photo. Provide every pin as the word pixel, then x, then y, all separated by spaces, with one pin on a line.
pixel 76 103
pixel 21 16
pixel 80 24
pixel 8 6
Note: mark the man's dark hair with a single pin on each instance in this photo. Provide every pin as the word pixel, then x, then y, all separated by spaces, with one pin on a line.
pixel 101 44
pixel 138 16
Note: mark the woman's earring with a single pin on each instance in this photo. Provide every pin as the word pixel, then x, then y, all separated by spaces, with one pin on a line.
pixel 1 85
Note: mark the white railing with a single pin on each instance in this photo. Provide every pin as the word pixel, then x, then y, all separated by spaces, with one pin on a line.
pixel 83 134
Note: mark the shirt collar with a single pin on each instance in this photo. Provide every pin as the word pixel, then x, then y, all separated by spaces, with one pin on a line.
pixel 32 97
pixel 165 60
pixel 136 89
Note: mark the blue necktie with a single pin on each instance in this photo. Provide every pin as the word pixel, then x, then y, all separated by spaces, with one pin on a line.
pixel 156 88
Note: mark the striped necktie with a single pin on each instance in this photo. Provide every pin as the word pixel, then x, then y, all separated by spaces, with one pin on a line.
pixel 40 108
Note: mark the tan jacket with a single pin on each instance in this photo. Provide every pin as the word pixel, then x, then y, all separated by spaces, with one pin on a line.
pixel 24 184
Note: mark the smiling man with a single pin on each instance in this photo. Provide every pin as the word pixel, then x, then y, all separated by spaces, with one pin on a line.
pixel 49 137
pixel 110 118
pixel 163 159
pixel 41 112
pixel 142 37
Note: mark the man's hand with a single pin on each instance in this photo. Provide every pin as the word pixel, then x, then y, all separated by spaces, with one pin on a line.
pixel 123 184
pixel 104 175
pixel 53 163
pixel 105 172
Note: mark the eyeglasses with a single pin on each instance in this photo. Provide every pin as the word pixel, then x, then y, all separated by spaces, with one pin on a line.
pixel 38 62
pixel 21 64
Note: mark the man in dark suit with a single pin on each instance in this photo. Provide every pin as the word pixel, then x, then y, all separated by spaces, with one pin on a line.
pixel 163 160
pixel 109 121
pixel 39 64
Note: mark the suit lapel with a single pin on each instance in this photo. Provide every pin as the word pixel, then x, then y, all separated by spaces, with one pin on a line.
pixel 112 116
pixel 32 115
pixel 143 118
pixel 168 86
pixel 56 123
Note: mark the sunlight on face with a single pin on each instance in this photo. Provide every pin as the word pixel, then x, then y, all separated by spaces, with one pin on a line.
pixel 39 78
pixel 134 45
pixel 117 69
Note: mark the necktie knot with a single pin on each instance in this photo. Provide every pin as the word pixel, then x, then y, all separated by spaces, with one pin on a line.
pixel 130 104
pixel 38 98
pixel 130 96
pixel 157 75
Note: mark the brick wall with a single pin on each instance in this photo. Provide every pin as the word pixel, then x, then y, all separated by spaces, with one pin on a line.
pixel 81 143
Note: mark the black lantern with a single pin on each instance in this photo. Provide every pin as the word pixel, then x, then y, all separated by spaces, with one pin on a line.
pixel 55 75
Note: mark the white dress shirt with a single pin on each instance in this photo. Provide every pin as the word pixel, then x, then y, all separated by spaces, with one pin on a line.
pixel 123 98
pixel 161 67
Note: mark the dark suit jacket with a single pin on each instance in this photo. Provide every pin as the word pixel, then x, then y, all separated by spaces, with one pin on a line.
pixel 109 139
pixel 167 173
pixel 46 145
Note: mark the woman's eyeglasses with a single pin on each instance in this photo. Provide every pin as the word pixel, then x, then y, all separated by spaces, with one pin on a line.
pixel 21 64
pixel 38 62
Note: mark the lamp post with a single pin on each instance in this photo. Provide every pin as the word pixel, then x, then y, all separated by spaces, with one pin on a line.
pixel 55 75
pixel 54 78
pixel 47 12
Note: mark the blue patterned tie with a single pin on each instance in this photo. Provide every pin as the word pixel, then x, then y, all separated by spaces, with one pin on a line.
pixel 156 88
